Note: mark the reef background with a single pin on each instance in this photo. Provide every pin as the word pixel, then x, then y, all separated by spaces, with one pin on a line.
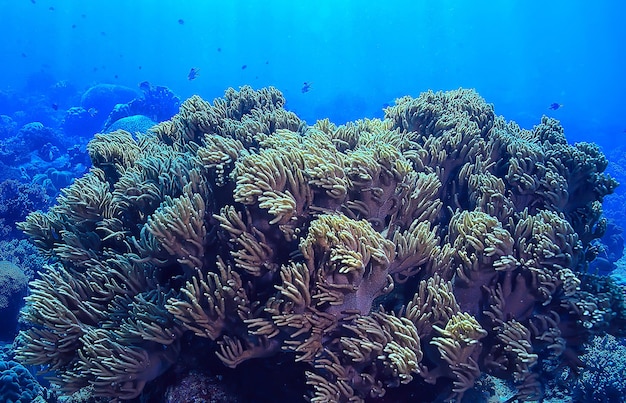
pixel 72 69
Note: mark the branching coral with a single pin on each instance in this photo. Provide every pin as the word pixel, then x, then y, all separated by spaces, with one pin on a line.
pixel 417 251
pixel 604 377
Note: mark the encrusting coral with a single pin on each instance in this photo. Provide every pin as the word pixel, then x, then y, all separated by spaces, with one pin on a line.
pixel 418 251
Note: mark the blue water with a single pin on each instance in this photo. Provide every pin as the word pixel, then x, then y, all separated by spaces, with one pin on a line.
pixel 337 59
pixel 358 55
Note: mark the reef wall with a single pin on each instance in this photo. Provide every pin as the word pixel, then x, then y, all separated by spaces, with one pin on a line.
pixel 427 248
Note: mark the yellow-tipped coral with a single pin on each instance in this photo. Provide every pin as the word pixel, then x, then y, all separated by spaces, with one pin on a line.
pixel 376 259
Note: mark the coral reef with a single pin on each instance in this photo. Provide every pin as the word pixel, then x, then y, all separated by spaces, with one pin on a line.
pixel 78 155
pixel 603 380
pixel 157 103
pixel 108 107
pixel 13 288
pixel 610 249
pixel 63 93
pixel 411 253
pixel 132 124
pixel 17 384
pixel 17 149
pixel 16 201
pixel 12 282
pixel 23 254
pixel 103 97
pixel 199 387
pixel 78 121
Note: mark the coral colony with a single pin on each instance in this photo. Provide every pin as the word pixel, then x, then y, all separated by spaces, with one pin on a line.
pixel 420 251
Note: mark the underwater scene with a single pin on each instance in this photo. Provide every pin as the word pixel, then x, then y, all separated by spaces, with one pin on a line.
pixel 312 201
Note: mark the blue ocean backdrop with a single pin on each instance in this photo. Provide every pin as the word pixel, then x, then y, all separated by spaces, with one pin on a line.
pixel 358 55
pixel 70 69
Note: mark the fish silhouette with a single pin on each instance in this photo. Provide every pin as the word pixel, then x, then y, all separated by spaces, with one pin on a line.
pixel 193 73
pixel 554 106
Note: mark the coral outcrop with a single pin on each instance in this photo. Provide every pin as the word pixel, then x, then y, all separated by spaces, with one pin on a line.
pixel 418 251
pixel 13 289
pixel 17 384
pixel 157 104
pixel 17 199
pixel 132 124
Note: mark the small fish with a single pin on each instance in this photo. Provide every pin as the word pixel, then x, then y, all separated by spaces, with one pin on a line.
pixel 306 87
pixel 55 106
pixel 73 26
pixel 245 66
pixel 83 16
pixel 194 72
pixel 33 1
pixel 24 55
pixel 554 106
pixel 139 67
pixel 116 77
pixel 181 21
pixel 144 86
pixel 103 33
pixel 219 49
pixel 50 8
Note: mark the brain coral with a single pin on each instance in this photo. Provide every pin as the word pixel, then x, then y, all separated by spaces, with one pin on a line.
pixel 17 384
pixel 418 251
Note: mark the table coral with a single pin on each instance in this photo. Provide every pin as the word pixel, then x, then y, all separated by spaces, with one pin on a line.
pixel 417 251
